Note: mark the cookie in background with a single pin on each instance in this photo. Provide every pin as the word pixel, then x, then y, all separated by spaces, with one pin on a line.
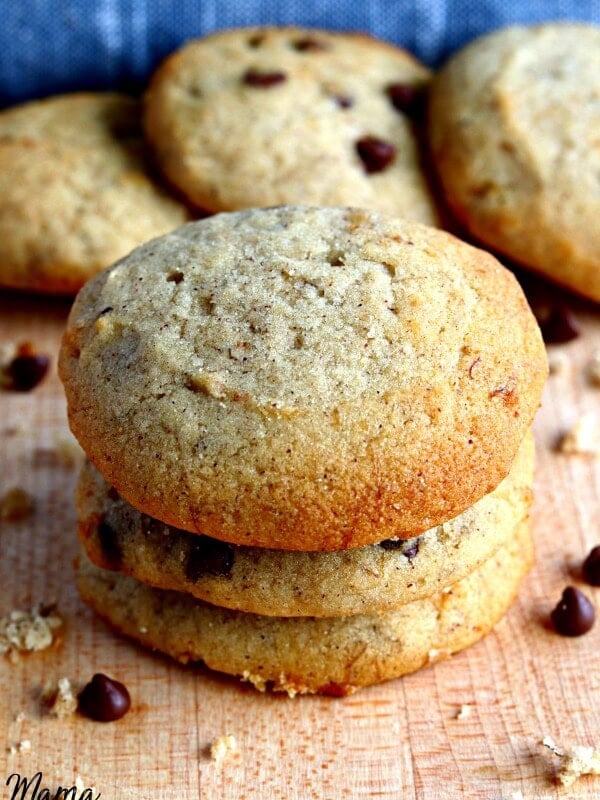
pixel 76 190
pixel 514 126
pixel 257 117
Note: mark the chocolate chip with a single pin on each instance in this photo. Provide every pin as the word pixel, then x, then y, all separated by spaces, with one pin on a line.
pixel 25 372
pixel 176 276
pixel 208 557
pixel 110 545
pixel 411 551
pixel 560 326
pixel 574 615
pixel 343 101
pixel 591 567
pixel 103 699
pixel 263 80
pixel 409 547
pixel 408 99
pixel 375 154
pixel 392 544
pixel 304 45
pixel 256 40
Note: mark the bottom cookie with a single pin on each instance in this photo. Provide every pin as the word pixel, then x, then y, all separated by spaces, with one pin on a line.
pixel 332 656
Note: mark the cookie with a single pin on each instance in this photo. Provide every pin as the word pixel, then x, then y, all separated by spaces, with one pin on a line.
pixel 514 130
pixel 76 192
pixel 303 378
pixel 269 116
pixel 308 654
pixel 290 584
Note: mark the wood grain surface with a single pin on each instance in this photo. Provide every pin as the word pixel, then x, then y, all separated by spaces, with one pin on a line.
pixel 398 740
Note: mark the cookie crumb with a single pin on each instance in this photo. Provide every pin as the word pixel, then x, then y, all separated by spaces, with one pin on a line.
pixel 15 504
pixel 60 700
pixel 577 761
pixel 557 363
pixel 256 680
pixel 223 748
pixel 14 430
pixel 23 746
pixel 583 438
pixel 27 631
pixel 464 712
pixel 593 368
pixel 435 655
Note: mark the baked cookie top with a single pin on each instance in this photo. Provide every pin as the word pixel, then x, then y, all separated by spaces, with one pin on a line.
pixel 265 116
pixel 282 583
pixel 514 130
pixel 75 190
pixel 303 378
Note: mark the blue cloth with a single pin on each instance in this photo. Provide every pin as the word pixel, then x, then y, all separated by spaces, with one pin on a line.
pixel 49 46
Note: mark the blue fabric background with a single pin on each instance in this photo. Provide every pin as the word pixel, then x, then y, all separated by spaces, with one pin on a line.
pixel 59 45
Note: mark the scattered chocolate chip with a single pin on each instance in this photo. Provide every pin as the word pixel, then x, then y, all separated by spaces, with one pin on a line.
pixel 103 699
pixel 175 277
pixel 574 615
pixel 256 40
pixel 304 45
pixel 375 154
pixel 591 567
pixel 408 99
pixel 25 372
pixel 343 101
pixel 208 557
pixel 263 80
pixel 111 547
pixel 560 326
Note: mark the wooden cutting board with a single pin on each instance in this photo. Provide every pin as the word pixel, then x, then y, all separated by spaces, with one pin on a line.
pixel 399 740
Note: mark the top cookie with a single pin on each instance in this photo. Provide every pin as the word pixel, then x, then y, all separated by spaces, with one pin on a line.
pixel 261 117
pixel 75 190
pixel 514 128
pixel 301 378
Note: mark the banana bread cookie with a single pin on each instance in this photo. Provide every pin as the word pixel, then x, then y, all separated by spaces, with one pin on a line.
pixel 76 192
pixel 514 130
pixel 266 116
pixel 281 583
pixel 303 378
pixel 307 654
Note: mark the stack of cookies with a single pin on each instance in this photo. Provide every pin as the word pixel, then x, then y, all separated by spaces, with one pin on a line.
pixel 309 443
